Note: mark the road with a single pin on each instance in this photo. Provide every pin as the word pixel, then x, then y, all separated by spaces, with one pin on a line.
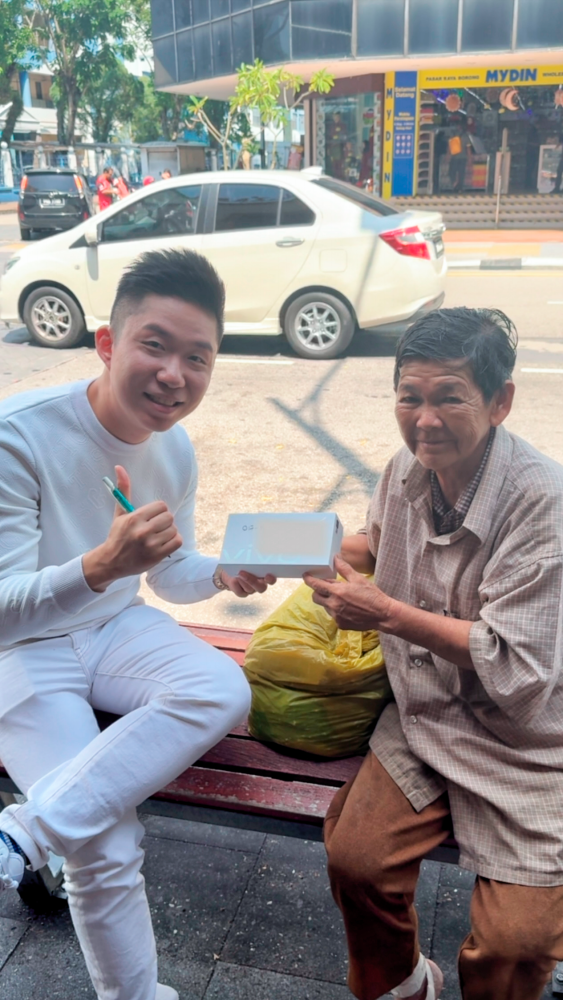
pixel 278 433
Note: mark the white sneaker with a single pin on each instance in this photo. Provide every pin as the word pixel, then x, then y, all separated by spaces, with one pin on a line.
pixel 12 868
pixel 165 993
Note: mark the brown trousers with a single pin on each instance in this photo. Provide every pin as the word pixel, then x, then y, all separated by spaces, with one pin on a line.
pixel 375 843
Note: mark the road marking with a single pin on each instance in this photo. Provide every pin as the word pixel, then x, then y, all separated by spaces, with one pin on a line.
pixel 556 302
pixel 544 371
pixel 254 361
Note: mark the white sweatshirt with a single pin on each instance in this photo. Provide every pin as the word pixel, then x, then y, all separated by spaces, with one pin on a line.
pixel 54 507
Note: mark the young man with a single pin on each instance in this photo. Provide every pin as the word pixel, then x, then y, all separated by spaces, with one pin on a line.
pixel 466 525
pixel 75 634
pixel 106 189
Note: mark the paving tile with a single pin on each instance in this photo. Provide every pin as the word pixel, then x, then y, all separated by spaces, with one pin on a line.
pixel 425 902
pixel 11 933
pixel 47 964
pixel 451 926
pixel 194 892
pixel 190 979
pixel 232 982
pixel 457 878
pixel 288 921
pixel 228 837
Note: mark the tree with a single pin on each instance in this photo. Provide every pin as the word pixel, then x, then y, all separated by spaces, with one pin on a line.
pixel 225 122
pixel 276 93
pixel 157 115
pixel 110 99
pixel 82 35
pixel 17 52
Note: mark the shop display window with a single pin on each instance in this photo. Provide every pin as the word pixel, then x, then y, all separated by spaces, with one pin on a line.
pixel 348 139
pixel 487 26
pixel 381 27
pixel 433 26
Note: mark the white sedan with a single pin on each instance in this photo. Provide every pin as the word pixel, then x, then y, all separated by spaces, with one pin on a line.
pixel 299 252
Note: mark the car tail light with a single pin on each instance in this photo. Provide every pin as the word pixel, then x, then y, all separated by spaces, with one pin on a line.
pixel 23 184
pixel 409 241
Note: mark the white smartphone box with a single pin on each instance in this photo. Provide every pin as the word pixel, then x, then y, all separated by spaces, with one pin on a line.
pixel 286 545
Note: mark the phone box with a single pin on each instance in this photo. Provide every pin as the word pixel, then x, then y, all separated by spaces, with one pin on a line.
pixel 286 545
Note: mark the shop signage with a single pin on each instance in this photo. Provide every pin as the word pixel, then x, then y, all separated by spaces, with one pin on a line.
pixel 490 76
pixel 399 137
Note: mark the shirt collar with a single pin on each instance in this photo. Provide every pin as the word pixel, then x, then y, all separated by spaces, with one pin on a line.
pixel 448 519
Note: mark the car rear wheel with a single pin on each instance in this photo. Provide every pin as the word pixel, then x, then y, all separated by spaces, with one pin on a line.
pixel 53 318
pixel 318 325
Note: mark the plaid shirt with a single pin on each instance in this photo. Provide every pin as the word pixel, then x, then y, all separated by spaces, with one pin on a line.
pixel 491 736
pixel 448 519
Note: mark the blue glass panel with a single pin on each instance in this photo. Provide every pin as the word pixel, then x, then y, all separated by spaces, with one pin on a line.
pixel 220 8
pixel 164 61
pixel 332 15
pixel 162 17
pixel 433 25
pixel 486 25
pixel 240 5
pixel 271 32
pixel 184 46
pixel 183 10
pixel 200 10
pixel 222 53
pixel 322 43
pixel 381 27
pixel 242 39
pixel 202 53
pixel 540 23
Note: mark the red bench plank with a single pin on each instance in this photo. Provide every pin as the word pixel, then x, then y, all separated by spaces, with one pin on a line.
pixel 250 793
pixel 250 755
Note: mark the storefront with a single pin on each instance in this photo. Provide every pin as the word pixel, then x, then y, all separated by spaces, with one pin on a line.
pixel 443 130
pixel 348 131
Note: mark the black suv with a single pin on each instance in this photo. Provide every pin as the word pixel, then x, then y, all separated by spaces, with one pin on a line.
pixel 53 199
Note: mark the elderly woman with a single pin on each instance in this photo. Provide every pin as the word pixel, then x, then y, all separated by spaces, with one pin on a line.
pixel 465 532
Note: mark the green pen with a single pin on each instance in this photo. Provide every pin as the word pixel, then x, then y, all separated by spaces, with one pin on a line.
pixel 118 495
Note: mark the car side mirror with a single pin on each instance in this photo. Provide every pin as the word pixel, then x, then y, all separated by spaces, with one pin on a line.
pixel 91 233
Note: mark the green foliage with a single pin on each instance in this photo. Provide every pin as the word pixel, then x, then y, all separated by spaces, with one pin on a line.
pixel 157 115
pixel 110 99
pixel 83 36
pixel 17 51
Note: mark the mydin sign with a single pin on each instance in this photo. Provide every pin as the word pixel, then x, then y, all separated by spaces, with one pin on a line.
pixel 402 97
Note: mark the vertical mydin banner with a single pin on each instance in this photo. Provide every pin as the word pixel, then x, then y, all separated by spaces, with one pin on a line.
pixel 402 97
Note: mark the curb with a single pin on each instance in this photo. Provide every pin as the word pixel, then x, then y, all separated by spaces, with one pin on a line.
pixel 506 263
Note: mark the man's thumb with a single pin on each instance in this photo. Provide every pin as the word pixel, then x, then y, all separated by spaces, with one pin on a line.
pixel 123 484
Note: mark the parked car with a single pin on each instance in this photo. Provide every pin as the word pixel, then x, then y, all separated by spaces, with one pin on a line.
pixel 53 199
pixel 300 253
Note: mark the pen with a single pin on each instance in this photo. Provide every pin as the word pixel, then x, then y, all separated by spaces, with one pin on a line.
pixel 118 495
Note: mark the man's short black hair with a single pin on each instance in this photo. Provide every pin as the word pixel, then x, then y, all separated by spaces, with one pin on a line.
pixel 178 274
pixel 483 339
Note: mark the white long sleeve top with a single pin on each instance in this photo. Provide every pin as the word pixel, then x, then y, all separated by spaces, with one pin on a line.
pixel 54 507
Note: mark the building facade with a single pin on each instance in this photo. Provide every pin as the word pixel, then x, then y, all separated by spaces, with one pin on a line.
pixel 427 91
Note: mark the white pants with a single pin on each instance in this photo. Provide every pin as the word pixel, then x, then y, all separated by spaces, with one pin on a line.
pixel 178 696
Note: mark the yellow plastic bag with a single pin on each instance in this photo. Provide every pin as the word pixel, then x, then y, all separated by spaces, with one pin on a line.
pixel 315 687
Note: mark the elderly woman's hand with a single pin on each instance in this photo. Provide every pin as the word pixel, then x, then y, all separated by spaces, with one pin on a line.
pixel 354 602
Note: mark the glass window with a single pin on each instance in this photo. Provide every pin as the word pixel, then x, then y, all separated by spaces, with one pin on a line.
pixel 167 213
pixel 246 206
pixel 486 25
pixel 271 32
pixel 240 5
pixel 381 27
pixel 220 8
pixel 540 22
pixel 433 25
pixel 294 212
pixel 322 43
pixel 184 46
pixel 162 17
pixel 353 194
pixel 200 10
pixel 333 15
pixel 183 11
pixel 58 183
pixel 222 55
pixel 164 61
pixel 242 39
pixel 202 52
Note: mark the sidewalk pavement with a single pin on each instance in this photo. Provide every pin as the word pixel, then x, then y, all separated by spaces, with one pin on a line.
pixel 504 249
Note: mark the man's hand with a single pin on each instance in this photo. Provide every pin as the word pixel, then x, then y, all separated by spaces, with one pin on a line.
pixel 136 542
pixel 354 602
pixel 244 584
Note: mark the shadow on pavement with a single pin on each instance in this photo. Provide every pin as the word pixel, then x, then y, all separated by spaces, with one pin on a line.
pixel 366 344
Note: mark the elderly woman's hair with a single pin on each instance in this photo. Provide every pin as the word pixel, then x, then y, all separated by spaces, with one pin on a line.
pixel 482 339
